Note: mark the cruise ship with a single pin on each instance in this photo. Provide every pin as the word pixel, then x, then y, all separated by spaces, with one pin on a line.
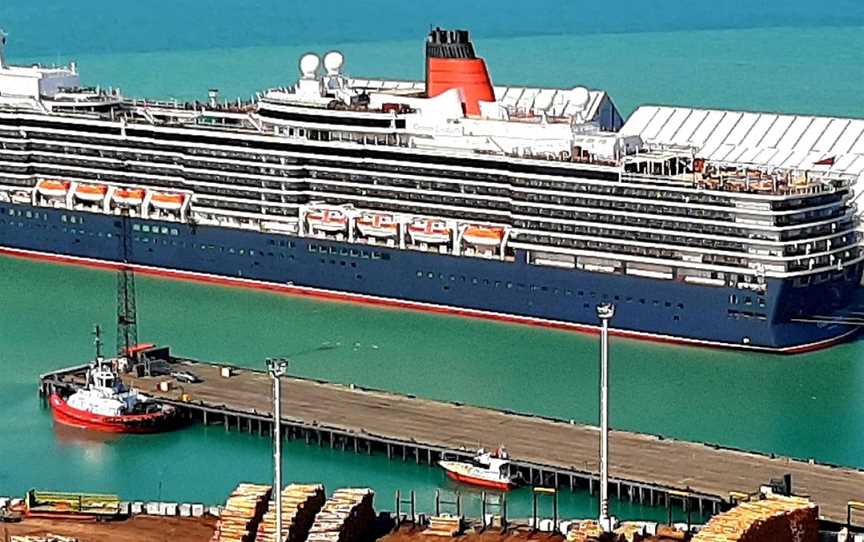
pixel 452 194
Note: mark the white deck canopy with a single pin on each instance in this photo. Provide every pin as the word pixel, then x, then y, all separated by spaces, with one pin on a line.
pixel 763 140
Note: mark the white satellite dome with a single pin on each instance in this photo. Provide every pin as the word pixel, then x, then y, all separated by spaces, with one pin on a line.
pixel 309 64
pixel 579 97
pixel 333 62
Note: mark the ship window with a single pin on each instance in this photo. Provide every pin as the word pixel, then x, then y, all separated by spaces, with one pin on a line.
pixel 676 318
pixel 474 280
pixel 419 274
pixel 642 301
pixel 72 220
pixel 748 300
pixel 164 230
pixel 581 292
pixel 377 256
pixel 29 214
pixel 509 284
pixel 568 292
pixel 430 275
pixel 174 231
pixel 354 252
pixel 761 301
pixel 364 254
pixel 668 304
pixel 136 227
pixel 144 228
pixel 680 305
pixel 733 299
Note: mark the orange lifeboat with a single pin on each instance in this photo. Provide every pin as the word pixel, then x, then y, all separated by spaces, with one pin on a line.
pixel 483 236
pixel 132 197
pixel 377 225
pixel 328 220
pixel 427 230
pixel 53 189
pixel 167 201
pixel 91 192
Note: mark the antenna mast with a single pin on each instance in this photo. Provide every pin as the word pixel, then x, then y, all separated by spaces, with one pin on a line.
pixel 127 320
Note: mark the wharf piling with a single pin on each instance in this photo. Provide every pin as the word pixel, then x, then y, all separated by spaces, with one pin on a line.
pixel 546 452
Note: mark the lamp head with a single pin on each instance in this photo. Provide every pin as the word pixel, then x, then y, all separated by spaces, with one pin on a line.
pixel 605 311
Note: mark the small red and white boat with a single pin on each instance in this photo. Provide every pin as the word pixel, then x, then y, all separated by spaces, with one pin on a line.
pixel 132 197
pixel 377 225
pixel 53 189
pixel 167 201
pixel 327 220
pixel 428 230
pixel 486 236
pixel 91 192
pixel 491 470
pixel 105 404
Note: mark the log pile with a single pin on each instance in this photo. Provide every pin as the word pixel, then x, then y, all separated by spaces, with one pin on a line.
pixel 773 519
pixel 347 516
pixel 445 525
pixel 300 504
pixel 242 513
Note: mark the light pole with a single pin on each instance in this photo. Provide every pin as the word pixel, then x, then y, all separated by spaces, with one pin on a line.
pixel 277 367
pixel 605 312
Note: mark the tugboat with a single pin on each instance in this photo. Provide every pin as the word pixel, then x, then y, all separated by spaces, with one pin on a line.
pixel 106 404
pixel 487 469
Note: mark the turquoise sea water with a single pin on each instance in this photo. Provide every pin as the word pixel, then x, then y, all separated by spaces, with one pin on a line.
pixel 746 55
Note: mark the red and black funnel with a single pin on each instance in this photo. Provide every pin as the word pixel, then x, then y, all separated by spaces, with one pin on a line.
pixel 451 63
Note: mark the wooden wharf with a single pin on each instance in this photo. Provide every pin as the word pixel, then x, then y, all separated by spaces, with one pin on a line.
pixel 548 452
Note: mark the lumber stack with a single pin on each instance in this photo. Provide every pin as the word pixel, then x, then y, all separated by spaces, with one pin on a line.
pixel 300 504
pixel 42 538
pixel 588 530
pixel 242 513
pixel 347 516
pixel 445 525
pixel 774 519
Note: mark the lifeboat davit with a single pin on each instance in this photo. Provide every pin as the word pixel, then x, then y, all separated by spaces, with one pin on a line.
pixel 167 201
pixel 483 236
pixel 53 189
pixel 91 192
pixel 132 197
pixel 428 230
pixel 328 220
pixel 377 225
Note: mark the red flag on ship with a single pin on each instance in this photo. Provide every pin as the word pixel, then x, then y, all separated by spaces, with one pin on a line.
pixel 825 162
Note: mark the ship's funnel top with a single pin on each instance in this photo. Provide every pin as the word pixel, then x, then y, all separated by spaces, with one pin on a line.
pixel 451 63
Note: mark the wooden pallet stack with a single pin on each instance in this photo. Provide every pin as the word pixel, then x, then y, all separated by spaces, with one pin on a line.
pixel 300 504
pixel 773 519
pixel 445 525
pixel 242 513
pixel 347 516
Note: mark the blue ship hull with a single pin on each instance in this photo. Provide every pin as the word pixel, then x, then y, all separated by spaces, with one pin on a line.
pixel 647 308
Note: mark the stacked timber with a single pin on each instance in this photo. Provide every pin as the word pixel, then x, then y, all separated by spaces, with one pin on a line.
pixel 42 538
pixel 445 525
pixel 347 516
pixel 588 530
pixel 773 519
pixel 242 513
pixel 300 504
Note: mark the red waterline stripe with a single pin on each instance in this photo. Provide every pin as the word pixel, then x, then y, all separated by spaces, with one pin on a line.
pixel 404 304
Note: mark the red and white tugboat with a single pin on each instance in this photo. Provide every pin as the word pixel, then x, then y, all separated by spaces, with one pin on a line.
pixel 487 469
pixel 106 404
